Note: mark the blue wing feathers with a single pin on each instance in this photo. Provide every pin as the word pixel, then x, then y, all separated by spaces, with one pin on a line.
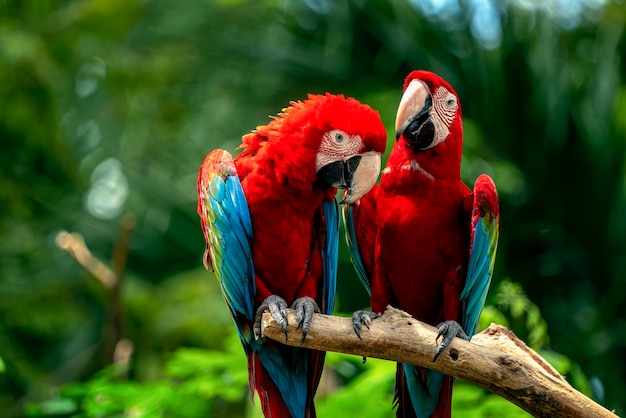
pixel 240 203
pixel 478 279
pixel 331 217
pixel 353 246
pixel 485 224
pixel 231 230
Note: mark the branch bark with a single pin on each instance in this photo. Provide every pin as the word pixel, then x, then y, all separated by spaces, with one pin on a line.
pixel 495 358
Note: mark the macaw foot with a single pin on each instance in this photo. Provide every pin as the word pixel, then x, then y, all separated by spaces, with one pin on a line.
pixel 278 308
pixel 447 331
pixel 305 306
pixel 360 318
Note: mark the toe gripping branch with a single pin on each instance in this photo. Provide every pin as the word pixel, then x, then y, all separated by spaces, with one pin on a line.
pixel 360 318
pixel 278 309
pixel 447 331
pixel 304 306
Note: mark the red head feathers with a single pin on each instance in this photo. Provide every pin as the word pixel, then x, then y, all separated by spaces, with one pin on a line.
pixel 314 142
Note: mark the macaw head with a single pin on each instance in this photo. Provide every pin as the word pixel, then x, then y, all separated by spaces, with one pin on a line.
pixel 429 122
pixel 330 142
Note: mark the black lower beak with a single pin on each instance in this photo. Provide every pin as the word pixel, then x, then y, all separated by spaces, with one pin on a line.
pixel 420 132
pixel 340 173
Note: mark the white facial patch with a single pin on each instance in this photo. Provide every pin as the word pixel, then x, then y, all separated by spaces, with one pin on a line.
pixel 445 106
pixel 337 145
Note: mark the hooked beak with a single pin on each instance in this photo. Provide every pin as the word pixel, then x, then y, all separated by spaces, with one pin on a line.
pixel 413 120
pixel 357 175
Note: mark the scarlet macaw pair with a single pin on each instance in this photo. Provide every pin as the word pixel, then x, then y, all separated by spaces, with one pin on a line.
pixel 421 241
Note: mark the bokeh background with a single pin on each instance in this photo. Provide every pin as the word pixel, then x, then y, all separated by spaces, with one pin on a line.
pixel 107 108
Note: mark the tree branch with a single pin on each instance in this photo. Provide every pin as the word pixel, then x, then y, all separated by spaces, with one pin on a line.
pixel 115 349
pixel 495 358
pixel 75 245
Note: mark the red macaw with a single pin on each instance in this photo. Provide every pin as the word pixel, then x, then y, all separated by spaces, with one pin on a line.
pixel 271 224
pixel 426 241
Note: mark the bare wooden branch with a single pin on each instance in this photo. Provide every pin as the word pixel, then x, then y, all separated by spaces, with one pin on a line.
pixel 495 358
pixel 75 245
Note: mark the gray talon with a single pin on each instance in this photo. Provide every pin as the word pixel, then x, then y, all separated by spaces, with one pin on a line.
pixel 447 331
pixel 360 318
pixel 305 307
pixel 278 309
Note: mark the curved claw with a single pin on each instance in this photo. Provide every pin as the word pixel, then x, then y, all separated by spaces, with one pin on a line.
pixel 278 308
pixel 305 307
pixel 360 318
pixel 447 331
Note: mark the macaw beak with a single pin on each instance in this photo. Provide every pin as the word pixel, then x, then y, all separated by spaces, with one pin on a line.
pixel 357 175
pixel 413 120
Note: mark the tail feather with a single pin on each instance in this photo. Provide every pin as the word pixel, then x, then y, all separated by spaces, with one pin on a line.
pixel 402 397
pixel 286 380
pixel 272 403
pixel 422 393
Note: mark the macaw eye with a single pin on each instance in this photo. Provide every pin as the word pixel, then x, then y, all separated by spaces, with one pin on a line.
pixel 450 100
pixel 338 136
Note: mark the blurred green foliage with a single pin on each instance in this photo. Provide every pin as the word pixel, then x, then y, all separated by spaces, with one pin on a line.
pixel 198 383
pixel 108 107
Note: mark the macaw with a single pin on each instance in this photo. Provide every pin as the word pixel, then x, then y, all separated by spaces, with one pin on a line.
pixel 422 241
pixel 271 224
